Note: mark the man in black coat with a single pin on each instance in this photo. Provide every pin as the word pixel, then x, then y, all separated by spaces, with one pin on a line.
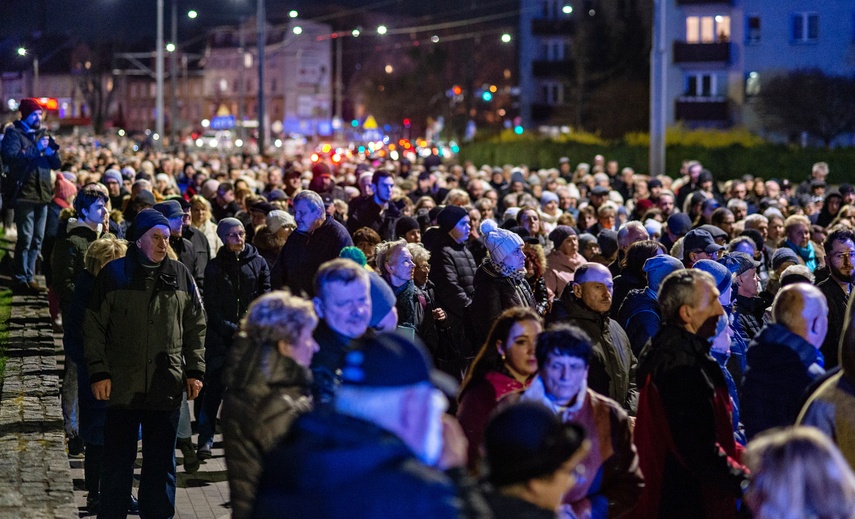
pixel 839 256
pixel 234 278
pixel 784 360
pixel 318 239
pixel 30 155
pixel 376 211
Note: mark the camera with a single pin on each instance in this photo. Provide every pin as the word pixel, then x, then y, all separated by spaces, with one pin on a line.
pixel 52 143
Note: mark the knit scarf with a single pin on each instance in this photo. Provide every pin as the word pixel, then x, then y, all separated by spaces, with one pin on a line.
pixel 505 271
pixel 808 254
pixel 406 303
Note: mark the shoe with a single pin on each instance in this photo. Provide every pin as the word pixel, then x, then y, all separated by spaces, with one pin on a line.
pixel 36 288
pixel 134 507
pixel 204 451
pixel 75 446
pixel 92 501
pixel 191 461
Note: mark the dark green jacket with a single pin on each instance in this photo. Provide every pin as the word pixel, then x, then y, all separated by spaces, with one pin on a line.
pixel 67 259
pixel 27 163
pixel 145 330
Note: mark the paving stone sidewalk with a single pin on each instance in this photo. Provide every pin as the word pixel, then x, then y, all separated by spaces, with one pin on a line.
pixel 37 477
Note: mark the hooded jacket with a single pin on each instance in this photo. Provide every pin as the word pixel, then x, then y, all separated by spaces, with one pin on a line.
pixel 27 164
pixel 560 270
pixel 781 366
pixel 640 317
pixel 145 331
pixel 267 391
pixel 334 466
pixel 232 282
pixel 612 370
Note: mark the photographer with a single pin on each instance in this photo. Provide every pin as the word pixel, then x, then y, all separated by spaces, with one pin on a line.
pixel 29 155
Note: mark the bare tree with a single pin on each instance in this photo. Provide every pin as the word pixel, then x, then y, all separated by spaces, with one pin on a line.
pixel 808 101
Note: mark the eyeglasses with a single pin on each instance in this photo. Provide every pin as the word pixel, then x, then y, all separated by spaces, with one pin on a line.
pixel 236 235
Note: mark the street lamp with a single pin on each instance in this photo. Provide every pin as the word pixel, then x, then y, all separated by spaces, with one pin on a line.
pixel 382 30
pixel 567 9
pixel 293 14
pixel 170 47
pixel 23 52
pixel 192 14
pixel 506 38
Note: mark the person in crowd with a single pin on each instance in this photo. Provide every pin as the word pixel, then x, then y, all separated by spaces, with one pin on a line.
pixel 396 453
pixel 798 472
pixel 534 460
pixel 632 275
pixel 586 304
pixel 563 260
pixel 639 314
pixel 225 204
pixel 377 211
pixel 629 234
pixel 453 274
pixel 831 406
pixel 748 307
pixel 318 239
pixel 677 226
pixel 535 268
pixel 59 212
pixel 29 153
pixel 182 247
pixel 271 237
pixel 784 359
pixel 699 244
pixel 269 387
pixel 782 258
pixel 589 248
pixel 500 280
pixel 145 290
pixel 613 481
pixel 343 305
pixel 112 178
pixel 233 279
pixel 839 257
pixel 367 240
pixel 505 364
pixel 683 430
pixel 92 412
pixel 200 218
pixel 384 310
pixel 408 228
pixel 797 233
pixel 194 236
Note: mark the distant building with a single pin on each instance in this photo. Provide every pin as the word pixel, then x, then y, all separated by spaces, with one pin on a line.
pixel 719 53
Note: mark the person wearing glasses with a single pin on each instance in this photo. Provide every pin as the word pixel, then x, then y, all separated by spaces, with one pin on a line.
pixel 612 480
pixel 839 258
pixel 233 279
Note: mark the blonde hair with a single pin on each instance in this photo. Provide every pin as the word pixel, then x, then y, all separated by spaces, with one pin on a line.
pixel 102 251
pixel 798 473
pixel 278 316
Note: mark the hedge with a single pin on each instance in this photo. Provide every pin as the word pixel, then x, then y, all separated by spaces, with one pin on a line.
pixel 766 161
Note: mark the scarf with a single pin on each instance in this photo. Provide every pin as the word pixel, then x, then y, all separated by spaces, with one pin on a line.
pixel 536 392
pixel 807 254
pixel 406 303
pixel 505 271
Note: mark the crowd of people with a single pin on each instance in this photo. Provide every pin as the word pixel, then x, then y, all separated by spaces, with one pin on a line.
pixel 387 338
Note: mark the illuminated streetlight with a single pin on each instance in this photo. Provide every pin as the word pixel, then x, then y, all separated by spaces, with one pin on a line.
pixel 506 38
pixel 355 33
pixel 22 51
pixel 567 9
pixel 293 14
pixel 170 47
pixel 192 14
pixel 381 30
pixel 434 39
pixel 389 69
pixel 297 29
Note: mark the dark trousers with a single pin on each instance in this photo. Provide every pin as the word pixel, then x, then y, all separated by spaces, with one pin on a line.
pixel 157 480
pixel 211 400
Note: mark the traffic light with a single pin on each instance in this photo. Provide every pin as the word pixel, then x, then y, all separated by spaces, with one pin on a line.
pixel 407 122
pixel 457 90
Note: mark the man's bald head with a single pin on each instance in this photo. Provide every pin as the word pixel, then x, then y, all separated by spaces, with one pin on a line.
pixel 592 272
pixel 593 285
pixel 802 309
pixel 631 233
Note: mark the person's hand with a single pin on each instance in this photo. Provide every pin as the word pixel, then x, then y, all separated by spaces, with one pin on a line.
pixel 194 385
pixel 43 143
pixel 439 314
pixel 102 388
pixel 455 446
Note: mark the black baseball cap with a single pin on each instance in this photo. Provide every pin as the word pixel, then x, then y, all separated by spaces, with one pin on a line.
pixel 700 240
pixel 739 262
pixel 392 360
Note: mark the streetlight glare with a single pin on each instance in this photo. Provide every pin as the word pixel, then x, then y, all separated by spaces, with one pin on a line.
pixel 381 30
pixel 567 9
pixel 22 51
pixel 297 29
pixel 506 38
pixel 170 47
pixel 293 14
pixel 192 14
pixel 355 33
pixel 434 39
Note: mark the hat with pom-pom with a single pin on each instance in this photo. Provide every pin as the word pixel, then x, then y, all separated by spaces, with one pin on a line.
pixel 500 243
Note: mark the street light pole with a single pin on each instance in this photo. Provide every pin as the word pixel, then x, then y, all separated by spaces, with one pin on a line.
pixel 262 38
pixel 159 75
pixel 35 75
pixel 173 73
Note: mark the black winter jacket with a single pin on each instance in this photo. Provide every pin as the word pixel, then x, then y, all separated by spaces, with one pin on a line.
pixel 453 274
pixel 640 317
pixel 612 371
pixel 364 212
pixel 186 253
pixel 624 283
pixel 495 293
pixel 233 281
pixel 27 164
pixel 781 367
pixel 201 246
pixel 303 254
pixel 837 300
pixel 749 316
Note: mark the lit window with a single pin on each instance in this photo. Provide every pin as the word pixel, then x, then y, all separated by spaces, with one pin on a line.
pixel 707 29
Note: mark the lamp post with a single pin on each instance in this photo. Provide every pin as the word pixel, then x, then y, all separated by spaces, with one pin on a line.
pixel 159 77
pixel 173 80
pixel 263 122
pixel 23 52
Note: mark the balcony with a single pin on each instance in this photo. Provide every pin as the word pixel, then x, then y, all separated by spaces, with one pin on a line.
pixel 701 109
pixel 544 68
pixel 701 52
pixel 704 2
pixel 557 27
